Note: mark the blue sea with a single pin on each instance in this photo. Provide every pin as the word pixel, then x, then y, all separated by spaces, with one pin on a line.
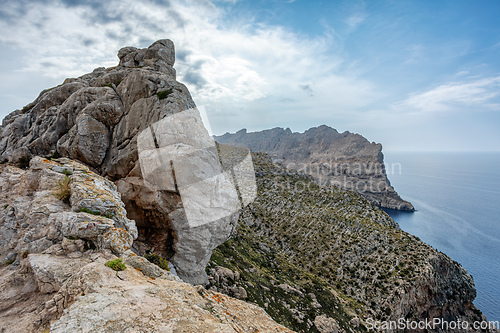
pixel 457 198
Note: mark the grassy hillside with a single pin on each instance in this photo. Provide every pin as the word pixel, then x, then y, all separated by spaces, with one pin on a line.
pixel 340 255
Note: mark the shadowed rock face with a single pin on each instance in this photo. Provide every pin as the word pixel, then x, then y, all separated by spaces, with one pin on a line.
pixel 344 159
pixel 96 118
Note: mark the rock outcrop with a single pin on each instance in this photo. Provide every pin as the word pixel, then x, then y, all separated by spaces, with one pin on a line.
pixel 344 159
pixel 80 240
pixel 96 119
pixel 60 224
pixel 57 199
pixel 129 301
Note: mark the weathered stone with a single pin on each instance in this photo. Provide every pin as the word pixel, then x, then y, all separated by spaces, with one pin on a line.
pixel 326 324
pixel 355 322
pixel 97 118
pixel 40 219
pixel 99 195
pixel 84 225
pixel 161 50
pixel 51 271
pixel 289 289
pixel 130 301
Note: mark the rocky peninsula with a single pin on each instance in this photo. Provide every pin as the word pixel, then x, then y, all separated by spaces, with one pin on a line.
pixel 345 159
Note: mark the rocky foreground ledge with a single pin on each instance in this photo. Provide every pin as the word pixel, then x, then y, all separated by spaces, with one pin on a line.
pixel 60 224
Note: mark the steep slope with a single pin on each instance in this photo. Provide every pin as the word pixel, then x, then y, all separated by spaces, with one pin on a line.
pixel 299 233
pixel 344 159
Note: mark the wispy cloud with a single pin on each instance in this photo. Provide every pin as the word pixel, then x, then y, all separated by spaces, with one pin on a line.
pixel 355 20
pixel 476 93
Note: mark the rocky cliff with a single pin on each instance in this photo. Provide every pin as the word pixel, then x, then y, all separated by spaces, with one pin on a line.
pixel 86 229
pixel 344 159
pixel 97 118
pixel 62 226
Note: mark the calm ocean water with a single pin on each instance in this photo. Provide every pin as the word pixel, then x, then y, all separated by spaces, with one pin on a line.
pixel 457 197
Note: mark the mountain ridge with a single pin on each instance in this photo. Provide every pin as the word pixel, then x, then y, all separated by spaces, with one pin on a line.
pixel 346 159
pixel 343 244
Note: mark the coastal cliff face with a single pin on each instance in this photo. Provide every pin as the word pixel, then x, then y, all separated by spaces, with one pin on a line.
pixel 344 159
pixel 60 224
pixel 319 240
pixel 96 119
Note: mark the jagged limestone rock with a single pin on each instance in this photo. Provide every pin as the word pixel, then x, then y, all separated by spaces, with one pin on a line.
pixel 39 219
pixel 52 271
pixel 326 325
pixel 133 302
pixel 51 278
pixel 96 118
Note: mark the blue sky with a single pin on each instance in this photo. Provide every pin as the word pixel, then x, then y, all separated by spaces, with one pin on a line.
pixel 412 75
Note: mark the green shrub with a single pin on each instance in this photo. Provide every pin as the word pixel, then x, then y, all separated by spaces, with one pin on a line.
pixel 67 172
pixel 54 156
pixel 164 94
pixel 109 215
pixel 116 265
pixel 89 211
pixel 64 192
pixel 24 162
pixel 157 260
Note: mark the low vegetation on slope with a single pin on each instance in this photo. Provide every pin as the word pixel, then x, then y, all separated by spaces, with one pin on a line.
pixel 303 251
pixel 290 294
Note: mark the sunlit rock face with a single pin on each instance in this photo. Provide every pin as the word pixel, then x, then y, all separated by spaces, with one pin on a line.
pixel 177 155
pixel 60 226
pixel 36 216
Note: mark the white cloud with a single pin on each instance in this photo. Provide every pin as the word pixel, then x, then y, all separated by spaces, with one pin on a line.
pixel 244 68
pixel 473 94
